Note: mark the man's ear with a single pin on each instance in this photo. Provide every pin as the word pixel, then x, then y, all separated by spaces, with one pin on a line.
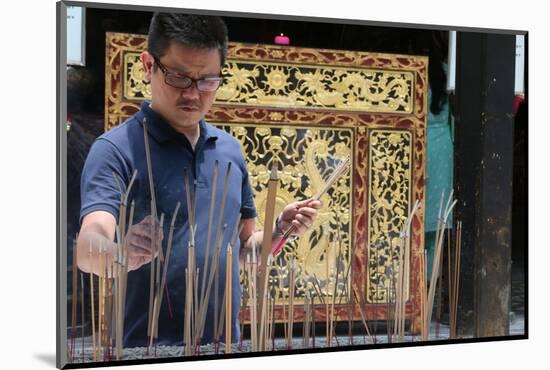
pixel 148 62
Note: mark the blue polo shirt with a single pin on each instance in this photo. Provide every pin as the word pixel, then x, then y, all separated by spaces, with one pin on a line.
pixel 121 151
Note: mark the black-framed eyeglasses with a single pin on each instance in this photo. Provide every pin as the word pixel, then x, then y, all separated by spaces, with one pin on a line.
pixel 207 84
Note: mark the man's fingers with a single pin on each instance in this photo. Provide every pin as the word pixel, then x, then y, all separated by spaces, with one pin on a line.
pixel 299 227
pixel 148 223
pixel 148 230
pixel 308 212
pixel 304 220
pixel 135 250
pixel 312 203
pixel 141 246
pixel 316 204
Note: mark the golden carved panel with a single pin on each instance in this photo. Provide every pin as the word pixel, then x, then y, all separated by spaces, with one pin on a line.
pixel 390 174
pixel 135 87
pixel 306 86
pixel 306 157
pixel 285 85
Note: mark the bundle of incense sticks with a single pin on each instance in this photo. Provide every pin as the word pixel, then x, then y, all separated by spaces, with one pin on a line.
pixel 204 298
pixel 338 172
pixel 442 221
pixel 120 264
pixel 160 291
pixel 318 291
pixel 403 272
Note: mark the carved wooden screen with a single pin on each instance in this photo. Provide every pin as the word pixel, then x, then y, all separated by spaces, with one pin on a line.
pixel 306 109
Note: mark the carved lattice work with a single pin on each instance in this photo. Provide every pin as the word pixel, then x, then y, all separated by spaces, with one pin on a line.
pixel 306 156
pixel 389 203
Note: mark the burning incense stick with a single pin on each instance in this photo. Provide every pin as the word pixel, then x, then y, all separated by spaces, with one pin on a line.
pixel 228 297
pixel 149 170
pixel 209 232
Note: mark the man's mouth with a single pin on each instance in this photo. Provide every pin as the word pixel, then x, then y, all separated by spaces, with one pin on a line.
pixel 188 108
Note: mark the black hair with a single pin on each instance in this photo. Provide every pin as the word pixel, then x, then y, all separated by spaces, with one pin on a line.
pixel 437 79
pixel 434 44
pixel 198 31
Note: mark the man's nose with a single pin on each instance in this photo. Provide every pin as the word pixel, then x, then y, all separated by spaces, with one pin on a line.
pixel 191 93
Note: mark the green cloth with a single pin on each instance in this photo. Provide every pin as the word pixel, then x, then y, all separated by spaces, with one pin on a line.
pixel 439 163
pixel 439 173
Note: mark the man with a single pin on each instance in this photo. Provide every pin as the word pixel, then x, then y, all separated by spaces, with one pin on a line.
pixel 183 64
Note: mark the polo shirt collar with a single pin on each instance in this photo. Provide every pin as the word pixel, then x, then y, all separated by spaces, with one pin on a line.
pixel 162 131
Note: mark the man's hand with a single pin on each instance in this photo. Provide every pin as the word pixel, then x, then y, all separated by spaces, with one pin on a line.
pixel 142 242
pixel 301 215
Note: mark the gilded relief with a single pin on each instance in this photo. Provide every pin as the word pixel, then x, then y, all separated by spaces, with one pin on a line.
pixel 283 85
pixel 390 153
pixel 135 87
pixel 306 157
pixel 301 86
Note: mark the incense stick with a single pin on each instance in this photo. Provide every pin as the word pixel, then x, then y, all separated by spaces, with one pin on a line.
pixel 457 279
pixel 305 324
pixel 92 301
pixel 313 321
pixel 266 247
pixel 209 232
pixel 338 172
pixel 204 300
pixel 149 169
pixel 160 290
pixel 82 312
pixel 263 303
pixel 292 285
pixel 423 283
pixel 435 266
pixel 362 313
pixel 216 290
pixel 252 302
pixel 228 297
pixel 74 297
pixel 454 283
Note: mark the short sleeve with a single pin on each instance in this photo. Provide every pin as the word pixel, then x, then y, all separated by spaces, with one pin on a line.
pixel 248 209
pixel 98 187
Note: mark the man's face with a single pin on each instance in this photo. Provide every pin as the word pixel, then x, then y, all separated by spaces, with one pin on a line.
pixel 182 108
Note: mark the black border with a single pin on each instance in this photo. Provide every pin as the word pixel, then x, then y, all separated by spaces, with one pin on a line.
pixel 61 194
